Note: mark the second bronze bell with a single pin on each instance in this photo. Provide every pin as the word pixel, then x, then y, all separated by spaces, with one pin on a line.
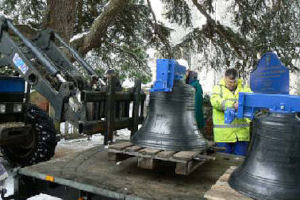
pixel 271 168
pixel 170 123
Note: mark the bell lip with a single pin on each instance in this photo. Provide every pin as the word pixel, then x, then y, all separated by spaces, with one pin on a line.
pixel 235 179
pixel 248 193
pixel 199 148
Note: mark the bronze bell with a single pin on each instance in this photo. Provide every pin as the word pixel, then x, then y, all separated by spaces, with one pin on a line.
pixel 271 169
pixel 170 123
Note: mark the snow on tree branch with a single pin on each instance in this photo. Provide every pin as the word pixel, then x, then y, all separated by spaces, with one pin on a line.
pixel 96 35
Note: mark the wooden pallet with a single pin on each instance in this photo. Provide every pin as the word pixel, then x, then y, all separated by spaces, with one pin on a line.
pixel 222 191
pixel 148 158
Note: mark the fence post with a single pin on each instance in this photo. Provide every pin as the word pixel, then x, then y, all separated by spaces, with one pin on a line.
pixel 136 106
pixel 110 109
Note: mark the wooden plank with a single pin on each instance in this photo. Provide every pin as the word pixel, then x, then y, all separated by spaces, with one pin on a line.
pixel 165 154
pixel 203 157
pixel 182 168
pixel 192 165
pixel 120 146
pixel 231 169
pixel 147 163
pixel 149 151
pixel 224 195
pixel 187 168
pixel 148 158
pixel 222 191
pixel 224 178
pixel 133 148
pixel 185 155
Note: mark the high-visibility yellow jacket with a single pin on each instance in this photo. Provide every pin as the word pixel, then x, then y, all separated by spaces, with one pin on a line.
pixel 221 99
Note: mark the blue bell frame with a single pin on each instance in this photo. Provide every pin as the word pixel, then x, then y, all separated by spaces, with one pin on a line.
pixel 270 83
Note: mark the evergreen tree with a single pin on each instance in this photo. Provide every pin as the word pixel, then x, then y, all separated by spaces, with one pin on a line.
pixel 119 40
pixel 259 26
pixel 120 31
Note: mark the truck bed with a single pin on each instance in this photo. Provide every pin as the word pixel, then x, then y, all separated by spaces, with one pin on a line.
pixel 91 171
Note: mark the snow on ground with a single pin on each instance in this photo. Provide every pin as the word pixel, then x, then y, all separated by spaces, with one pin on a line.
pixel 64 148
pixel 43 197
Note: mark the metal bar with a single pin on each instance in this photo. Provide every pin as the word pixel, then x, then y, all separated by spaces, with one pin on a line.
pixel 249 102
pixel 91 127
pixel 88 68
pixel 79 59
pixel 48 65
pixel 98 126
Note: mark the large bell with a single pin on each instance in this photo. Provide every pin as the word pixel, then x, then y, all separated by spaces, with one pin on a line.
pixel 170 123
pixel 271 169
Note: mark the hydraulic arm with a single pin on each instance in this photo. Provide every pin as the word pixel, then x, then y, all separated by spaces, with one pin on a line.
pixel 43 65
pixel 27 133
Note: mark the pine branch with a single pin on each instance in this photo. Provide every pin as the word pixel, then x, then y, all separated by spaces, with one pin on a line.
pixel 99 27
pixel 158 32
pixel 225 34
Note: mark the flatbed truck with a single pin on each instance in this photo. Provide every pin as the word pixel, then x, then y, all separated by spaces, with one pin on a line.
pixel 89 175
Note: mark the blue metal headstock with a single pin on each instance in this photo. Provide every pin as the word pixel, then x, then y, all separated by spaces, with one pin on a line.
pixel 270 76
pixel 167 71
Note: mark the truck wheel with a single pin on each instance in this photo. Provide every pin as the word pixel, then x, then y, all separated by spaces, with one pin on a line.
pixel 41 144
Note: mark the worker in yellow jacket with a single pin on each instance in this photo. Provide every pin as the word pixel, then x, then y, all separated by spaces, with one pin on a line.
pixel 235 136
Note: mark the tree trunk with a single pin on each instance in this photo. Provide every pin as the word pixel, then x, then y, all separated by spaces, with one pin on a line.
pixel 61 17
pixel 99 27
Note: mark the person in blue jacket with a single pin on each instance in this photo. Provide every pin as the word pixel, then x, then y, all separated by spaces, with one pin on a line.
pixel 192 79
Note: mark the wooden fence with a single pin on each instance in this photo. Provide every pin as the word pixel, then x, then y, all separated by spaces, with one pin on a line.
pixel 109 109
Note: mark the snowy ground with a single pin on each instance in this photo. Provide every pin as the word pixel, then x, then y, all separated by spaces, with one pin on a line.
pixel 64 147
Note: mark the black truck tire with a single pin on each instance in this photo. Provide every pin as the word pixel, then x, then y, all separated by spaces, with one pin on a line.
pixel 41 145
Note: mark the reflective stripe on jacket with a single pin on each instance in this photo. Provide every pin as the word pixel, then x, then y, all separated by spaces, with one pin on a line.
pixel 221 99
